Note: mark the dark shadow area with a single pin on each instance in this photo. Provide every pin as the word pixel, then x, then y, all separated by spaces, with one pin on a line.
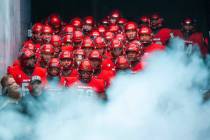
pixel 172 11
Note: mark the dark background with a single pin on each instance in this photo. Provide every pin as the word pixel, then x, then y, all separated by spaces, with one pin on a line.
pixel 173 11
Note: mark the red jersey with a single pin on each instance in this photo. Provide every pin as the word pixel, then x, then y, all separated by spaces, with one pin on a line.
pixel 162 36
pixel 153 48
pixel 23 79
pixel 106 75
pixel 195 38
pixel 63 79
pixel 97 85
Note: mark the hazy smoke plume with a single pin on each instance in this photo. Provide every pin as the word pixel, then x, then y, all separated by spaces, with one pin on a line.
pixel 163 102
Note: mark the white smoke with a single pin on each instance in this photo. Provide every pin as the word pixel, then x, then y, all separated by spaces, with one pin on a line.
pixel 163 102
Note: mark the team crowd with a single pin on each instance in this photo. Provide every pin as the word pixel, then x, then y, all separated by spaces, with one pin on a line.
pixel 88 54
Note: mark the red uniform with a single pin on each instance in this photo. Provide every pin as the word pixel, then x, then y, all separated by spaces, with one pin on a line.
pixel 63 79
pixel 106 76
pixel 162 36
pixel 23 79
pixel 138 67
pixel 196 38
pixel 153 48
pixel 97 85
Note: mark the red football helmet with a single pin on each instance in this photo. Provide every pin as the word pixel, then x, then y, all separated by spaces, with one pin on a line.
pixel 87 42
pixel 116 48
pixel 188 21
pixel 109 35
pixel 116 43
pixel 27 58
pixel 145 30
pixel 136 42
pixel 156 21
pixel 89 20
pixel 122 63
pixel 29 45
pixel 56 40
pixel 47 52
pixel 87 45
pixel 101 45
pixel 85 66
pixel 36 32
pixel 66 58
pixel 130 26
pixel 77 23
pixel 95 55
pixel 47 29
pixel 114 28
pixel 121 37
pixel 122 21
pixel 144 21
pixel 85 71
pixel 54 67
pixel 95 58
pixel 114 17
pixel 47 49
pixel 37 28
pixel 78 37
pixel 88 24
pixel 100 42
pixel 188 25
pixel 132 47
pixel 46 33
pixel 66 55
pixel 68 29
pixel 133 52
pixel 54 62
pixel 145 35
pixel 95 33
pixel 101 29
pixel 79 52
pixel 115 14
pixel 131 30
pixel 54 21
pixel 26 53
pixel 105 22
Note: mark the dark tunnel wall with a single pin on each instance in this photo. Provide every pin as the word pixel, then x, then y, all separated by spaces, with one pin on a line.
pixel 172 11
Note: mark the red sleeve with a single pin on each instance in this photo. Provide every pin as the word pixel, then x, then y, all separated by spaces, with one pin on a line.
pixel 98 85
pixel 164 35
pixel 69 81
pixel 177 33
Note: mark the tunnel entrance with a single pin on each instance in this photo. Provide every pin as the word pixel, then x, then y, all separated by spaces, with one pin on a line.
pixel 172 11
